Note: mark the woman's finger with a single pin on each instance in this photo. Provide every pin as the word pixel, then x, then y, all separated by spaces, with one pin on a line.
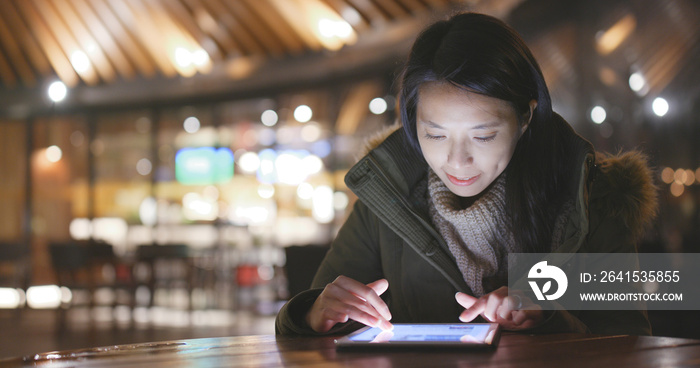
pixel 341 313
pixel 348 302
pixel 358 301
pixel 493 303
pixel 465 300
pixel 519 317
pixel 379 287
pixel 473 306
pixel 510 305
pixel 368 294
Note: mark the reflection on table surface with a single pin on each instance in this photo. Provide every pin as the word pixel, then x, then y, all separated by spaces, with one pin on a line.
pixel 514 350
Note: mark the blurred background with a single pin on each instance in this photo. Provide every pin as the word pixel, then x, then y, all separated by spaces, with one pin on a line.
pixel 174 168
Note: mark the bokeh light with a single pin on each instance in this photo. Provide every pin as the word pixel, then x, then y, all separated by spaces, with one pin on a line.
pixel 637 82
pixel 269 118
pixel 598 114
pixel 303 113
pixel 377 106
pixel 191 124
pixel 54 153
pixel 667 175
pixel 249 162
pixel 57 91
pixel 660 106
pixel 323 210
pixel 305 191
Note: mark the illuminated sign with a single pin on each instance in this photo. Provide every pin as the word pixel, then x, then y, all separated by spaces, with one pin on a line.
pixel 203 165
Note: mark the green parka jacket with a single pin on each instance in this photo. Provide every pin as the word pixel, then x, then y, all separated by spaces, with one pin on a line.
pixel 389 235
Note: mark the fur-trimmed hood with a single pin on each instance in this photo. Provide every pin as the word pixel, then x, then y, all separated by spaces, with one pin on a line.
pixel 624 184
pixel 375 139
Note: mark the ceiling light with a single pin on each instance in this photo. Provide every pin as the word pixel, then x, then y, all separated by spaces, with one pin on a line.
pixel 80 61
pixel 303 113
pixel 637 82
pixel 611 39
pixel 200 57
pixel 183 57
pixel 57 91
pixel 660 106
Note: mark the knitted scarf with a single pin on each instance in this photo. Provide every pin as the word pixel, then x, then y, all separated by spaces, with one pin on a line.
pixel 478 236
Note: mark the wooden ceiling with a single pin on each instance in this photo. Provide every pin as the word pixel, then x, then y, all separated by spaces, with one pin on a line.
pixel 126 53
pixel 94 42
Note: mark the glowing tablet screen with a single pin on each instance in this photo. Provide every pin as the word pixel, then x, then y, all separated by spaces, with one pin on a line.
pixel 483 334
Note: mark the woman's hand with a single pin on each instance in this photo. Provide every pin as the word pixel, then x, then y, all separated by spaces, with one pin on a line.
pixel 345 299
pixel 516 312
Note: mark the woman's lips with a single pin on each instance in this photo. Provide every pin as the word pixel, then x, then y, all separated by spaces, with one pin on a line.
pixel 463 182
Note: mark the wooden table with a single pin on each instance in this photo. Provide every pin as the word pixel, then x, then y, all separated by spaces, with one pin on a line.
pixel 515 350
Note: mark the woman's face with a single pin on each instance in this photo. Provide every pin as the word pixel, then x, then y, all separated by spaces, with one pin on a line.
pixel 466 138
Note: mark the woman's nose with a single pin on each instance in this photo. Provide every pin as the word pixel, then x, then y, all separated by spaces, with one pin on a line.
pixel 459 155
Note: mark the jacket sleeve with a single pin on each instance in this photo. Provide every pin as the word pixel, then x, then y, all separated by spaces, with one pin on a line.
pixel 354 253
pixel 608 235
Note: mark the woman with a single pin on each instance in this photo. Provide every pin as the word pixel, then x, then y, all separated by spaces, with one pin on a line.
pixel 482 168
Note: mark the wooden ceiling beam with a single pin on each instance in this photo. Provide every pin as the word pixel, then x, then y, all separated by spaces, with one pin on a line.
pixel 169 36
pixel 87 42
pixel 27 43
pixel 140 22
pixel 254 24
pixel 393 9
pixel 65 40
pixel 231 25
pixel 188 22
pixel 294 15
pixel 237 29
pixel 16 59
pixel 372 57
pixel 59 61
pixel 206 20
pixel 271 17
pixel 436 4
pixel 152 25
pixel 413 7
pixel 664 64
pixel 104 39
pixel 365 19
pixel 143 64
pixel 341 7
pixel 6 73
pixel 139 38
pixel 374 15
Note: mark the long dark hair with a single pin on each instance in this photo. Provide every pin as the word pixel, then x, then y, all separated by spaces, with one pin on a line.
pixel 482 54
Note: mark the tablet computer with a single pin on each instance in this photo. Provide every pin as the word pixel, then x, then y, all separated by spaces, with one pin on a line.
pixel 433 335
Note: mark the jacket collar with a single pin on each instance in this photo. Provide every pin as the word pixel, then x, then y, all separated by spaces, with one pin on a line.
pixel 402 165
pixel 383 180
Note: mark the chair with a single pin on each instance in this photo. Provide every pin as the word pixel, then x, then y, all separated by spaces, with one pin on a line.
pixel 14 267
pixel 80 266
pixel 164 266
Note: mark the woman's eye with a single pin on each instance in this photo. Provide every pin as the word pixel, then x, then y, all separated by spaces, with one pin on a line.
pixel 434 137
pixel 486 139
